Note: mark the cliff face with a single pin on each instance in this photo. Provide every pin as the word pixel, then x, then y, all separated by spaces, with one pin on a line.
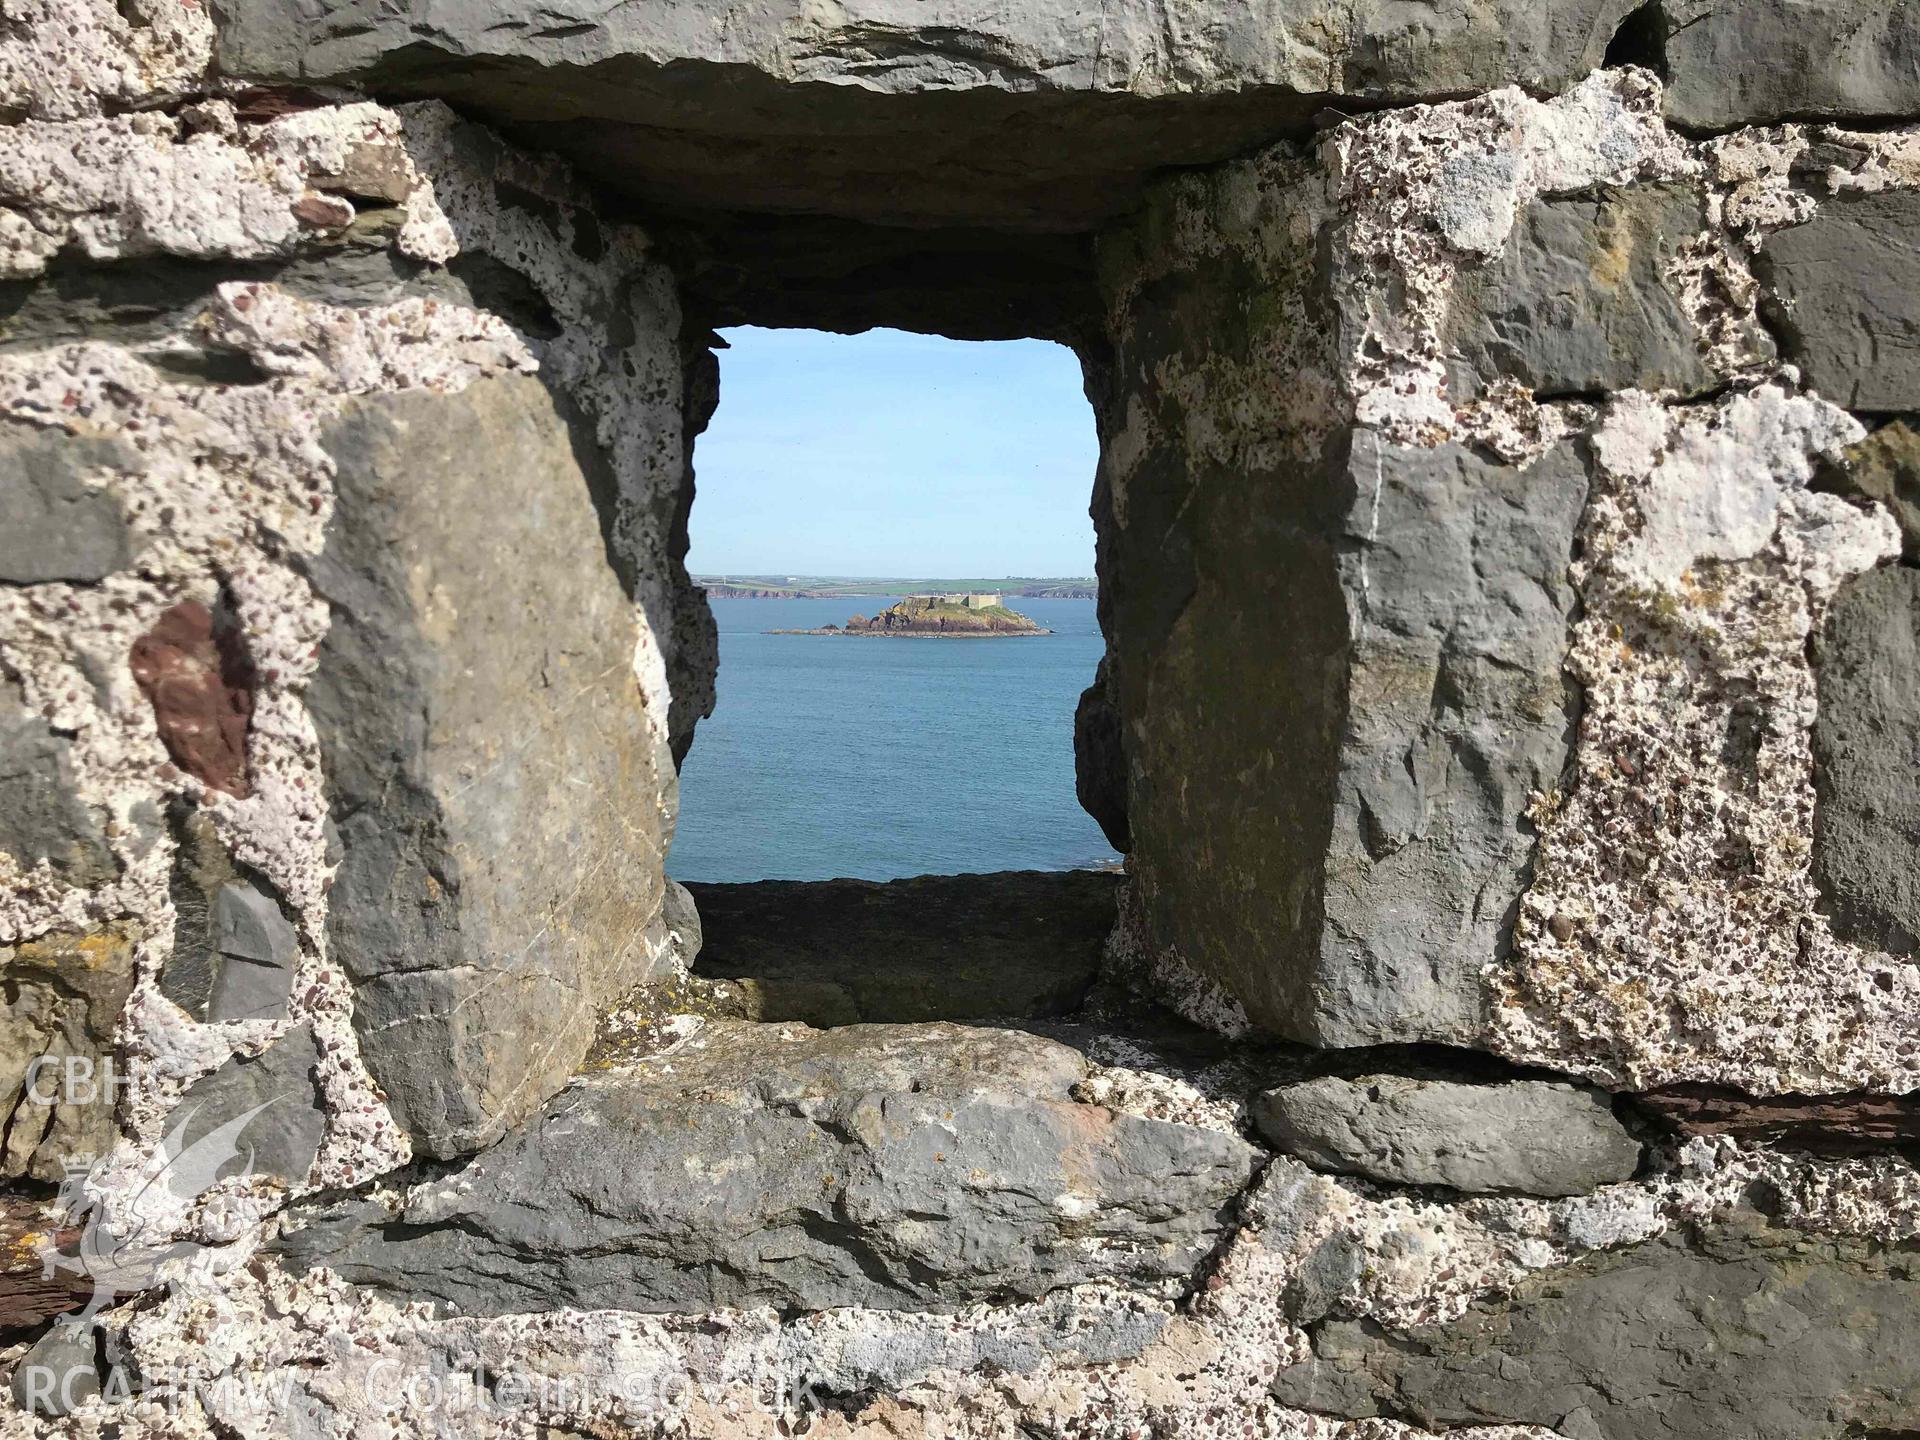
pixel 1512 677
pixel 923 615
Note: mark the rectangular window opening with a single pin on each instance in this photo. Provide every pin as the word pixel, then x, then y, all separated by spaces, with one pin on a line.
pixel 847 478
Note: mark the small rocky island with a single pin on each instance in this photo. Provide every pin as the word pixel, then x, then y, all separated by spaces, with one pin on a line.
pixel 961 615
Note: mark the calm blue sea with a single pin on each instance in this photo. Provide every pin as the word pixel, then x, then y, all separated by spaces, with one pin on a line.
pixel 886 757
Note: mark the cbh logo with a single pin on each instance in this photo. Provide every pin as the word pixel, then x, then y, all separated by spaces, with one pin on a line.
pixel 76 1080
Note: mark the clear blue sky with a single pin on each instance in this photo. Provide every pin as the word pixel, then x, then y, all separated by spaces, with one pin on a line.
pixel 894 454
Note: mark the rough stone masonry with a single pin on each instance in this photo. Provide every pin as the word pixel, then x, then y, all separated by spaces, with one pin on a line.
pixel 1508 1025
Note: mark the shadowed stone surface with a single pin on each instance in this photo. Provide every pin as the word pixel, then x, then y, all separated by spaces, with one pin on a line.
pixel 1526 1136
pixel 234 951
pixel 681 916
pixel 501 796
pixel 42 816
pixel 279 1096
pixel 1047 115
pixel 1735 62
pixel 1579 299
pixel 1765 1334
pixel 1099 761
pixel 935 947
pixel 54 525
pixel 1846 289
pixel 1201 547
pixel 1866 750
pixel 1854 1124
pixel 63 995
pixel 823 272
pixel 921 1167
pixel 1884 467
pixel 201 867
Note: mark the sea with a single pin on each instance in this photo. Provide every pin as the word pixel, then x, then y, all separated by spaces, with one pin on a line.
pixel 878 757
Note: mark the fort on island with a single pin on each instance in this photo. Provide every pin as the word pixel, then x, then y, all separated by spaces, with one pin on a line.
pixel 968 600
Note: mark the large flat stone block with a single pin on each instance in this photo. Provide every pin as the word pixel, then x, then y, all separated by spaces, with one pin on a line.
pixel 915 1167
pixel 1746 1331
pixel 1738 62
pixel 1335 746
pixel 501 795
pixel 1580 299
pixel 1455 574
pixel 1047 115
pixel 1846 292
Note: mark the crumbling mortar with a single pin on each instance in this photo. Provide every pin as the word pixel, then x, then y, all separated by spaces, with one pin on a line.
pixel 1640 959
pixel 1758 184
pixel 67 59
pixel 1425 191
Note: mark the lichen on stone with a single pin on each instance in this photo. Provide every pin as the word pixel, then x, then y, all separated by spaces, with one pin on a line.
pixel 1429 189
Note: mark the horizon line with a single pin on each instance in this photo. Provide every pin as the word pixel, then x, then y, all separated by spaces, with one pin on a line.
pixel 849 575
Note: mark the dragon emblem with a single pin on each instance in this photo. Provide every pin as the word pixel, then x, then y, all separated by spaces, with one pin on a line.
pixel 123 1249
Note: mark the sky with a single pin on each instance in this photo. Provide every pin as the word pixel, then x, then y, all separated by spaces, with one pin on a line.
pixel 894 454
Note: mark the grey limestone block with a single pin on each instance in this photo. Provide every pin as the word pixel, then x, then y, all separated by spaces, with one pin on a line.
pixel 1524 1136
pixel 892 1166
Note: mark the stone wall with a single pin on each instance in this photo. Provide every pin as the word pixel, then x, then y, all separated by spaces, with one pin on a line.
pixel 1506 517
pixel 342 611
pixel 1469 699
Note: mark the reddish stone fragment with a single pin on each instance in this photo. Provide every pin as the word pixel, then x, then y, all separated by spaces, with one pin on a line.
pixel 29 1296
pixel 1849 1124
pixel 259 105
pixel 323 212
pixel 200 684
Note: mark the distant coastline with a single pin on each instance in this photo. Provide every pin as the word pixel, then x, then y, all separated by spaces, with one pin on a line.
pixel 835 587
pixel 916 634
